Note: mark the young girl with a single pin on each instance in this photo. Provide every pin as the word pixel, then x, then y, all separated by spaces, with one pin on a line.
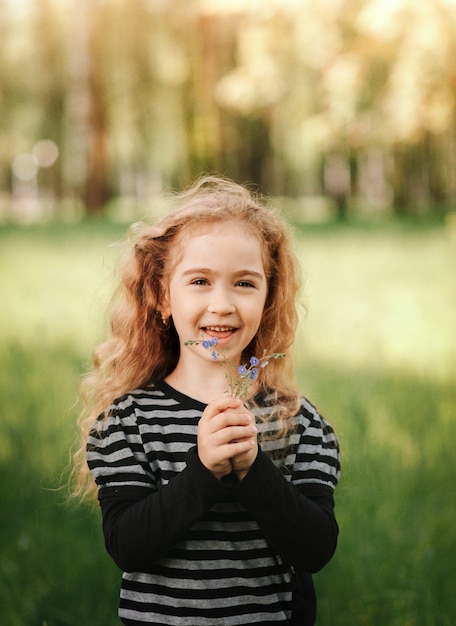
pixel 217 508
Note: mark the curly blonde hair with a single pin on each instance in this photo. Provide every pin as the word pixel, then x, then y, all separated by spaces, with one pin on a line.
pixel 141 350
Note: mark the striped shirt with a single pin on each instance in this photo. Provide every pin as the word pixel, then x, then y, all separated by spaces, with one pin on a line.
pixel 197 551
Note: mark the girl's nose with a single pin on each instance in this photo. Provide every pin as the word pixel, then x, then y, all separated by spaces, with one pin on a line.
pixel 221 303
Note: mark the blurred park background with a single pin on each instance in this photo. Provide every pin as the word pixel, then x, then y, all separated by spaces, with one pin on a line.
pixel 343 112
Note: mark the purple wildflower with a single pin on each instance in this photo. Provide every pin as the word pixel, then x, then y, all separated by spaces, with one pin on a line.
pixel 237 386
pixel 242 370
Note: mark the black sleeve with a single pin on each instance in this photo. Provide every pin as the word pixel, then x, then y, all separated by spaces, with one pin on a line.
pixel 140 525
pixel 297 520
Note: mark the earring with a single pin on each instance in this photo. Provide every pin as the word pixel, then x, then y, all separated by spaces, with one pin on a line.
pixel 166 322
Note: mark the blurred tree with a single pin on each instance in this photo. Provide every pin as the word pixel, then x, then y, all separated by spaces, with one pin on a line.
pixel 96 191
pixel 407 53
pixel 247 93
pixel 49 68
pixel 17 113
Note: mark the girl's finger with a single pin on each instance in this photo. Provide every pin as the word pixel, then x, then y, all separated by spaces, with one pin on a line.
pixel 233 434
pixel 221 404
pixel 231 450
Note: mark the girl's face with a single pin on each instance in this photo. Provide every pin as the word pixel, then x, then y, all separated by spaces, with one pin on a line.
pixel 218 288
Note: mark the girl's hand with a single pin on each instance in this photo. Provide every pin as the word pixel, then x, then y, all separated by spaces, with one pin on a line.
pixel 227 431
pixel 243 462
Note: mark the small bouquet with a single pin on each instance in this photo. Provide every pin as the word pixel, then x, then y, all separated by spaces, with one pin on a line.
pixel 238 379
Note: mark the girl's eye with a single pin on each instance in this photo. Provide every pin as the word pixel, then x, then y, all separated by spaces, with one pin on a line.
pixel 199 281
pixel 245 283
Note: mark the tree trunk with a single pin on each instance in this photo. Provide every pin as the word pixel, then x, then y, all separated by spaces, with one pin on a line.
pixel 96 186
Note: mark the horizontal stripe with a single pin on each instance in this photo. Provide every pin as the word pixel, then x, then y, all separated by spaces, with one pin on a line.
pixel 226 596
pixel 162 584
pixel 157 614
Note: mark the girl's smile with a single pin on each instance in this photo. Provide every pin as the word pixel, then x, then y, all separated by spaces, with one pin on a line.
pixel 222 333
pixel 217 289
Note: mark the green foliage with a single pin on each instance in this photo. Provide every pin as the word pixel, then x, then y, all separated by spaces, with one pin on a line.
pixel 376 354
pixel 394 564
pixel 50 550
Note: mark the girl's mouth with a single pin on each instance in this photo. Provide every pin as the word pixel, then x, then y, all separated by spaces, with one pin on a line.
pixel 221 332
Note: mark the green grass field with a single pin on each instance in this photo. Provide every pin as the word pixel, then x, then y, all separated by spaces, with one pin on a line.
pixel 376 353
